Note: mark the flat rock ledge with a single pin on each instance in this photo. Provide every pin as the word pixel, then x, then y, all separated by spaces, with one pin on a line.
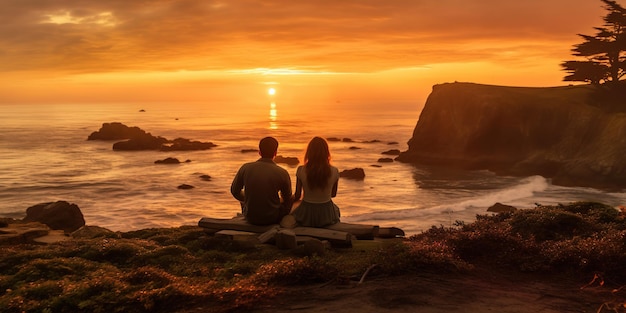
pixel 15 232
pixel 30 233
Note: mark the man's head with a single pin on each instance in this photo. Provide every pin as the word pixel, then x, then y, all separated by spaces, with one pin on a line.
pixel 268 147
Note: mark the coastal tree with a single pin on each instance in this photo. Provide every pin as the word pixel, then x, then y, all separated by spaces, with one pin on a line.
pixel 604 53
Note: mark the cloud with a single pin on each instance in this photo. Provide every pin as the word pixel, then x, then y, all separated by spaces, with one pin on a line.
pixel 336 36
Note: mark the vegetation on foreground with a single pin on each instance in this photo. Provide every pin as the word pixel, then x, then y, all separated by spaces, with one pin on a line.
pixel 179 269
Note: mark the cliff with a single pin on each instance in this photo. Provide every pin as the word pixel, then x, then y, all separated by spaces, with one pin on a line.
pixel 555 132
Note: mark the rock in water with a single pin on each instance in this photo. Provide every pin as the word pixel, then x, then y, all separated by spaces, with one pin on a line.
pixel 138 139
pixel 182 144
pixel 292 161
pixel 59 215
pixel 355 173
pixel 116 131
pixel 392 152
pixel 167 161
pixel 143 142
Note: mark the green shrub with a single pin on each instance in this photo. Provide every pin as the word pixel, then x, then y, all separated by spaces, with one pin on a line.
pixel 295 271
pixel 598 212
pixel 149 276
pixel 549 224
pixel 602 252
pixel 434 254
pixel 43 290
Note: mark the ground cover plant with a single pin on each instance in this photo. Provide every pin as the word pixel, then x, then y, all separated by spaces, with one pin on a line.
pixel 176 269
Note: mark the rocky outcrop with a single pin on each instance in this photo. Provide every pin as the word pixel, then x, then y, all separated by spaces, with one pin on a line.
pixel 137 139
pixel 116 131
pixel 555 132
pixel 60 215
pixel 18 232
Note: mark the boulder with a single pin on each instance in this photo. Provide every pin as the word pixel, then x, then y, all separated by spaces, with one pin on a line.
pixel 292 161
pixel 355 173
pixel 167 161
pixel 205 177
pixel 501 208
pixel 185 187
pixel 59 215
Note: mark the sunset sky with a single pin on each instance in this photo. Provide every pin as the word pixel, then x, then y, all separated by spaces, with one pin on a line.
pixel 70 51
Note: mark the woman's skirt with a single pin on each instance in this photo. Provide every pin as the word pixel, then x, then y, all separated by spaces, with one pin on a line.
pixel 316 214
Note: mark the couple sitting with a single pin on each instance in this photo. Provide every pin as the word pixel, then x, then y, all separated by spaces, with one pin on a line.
pixel 258 184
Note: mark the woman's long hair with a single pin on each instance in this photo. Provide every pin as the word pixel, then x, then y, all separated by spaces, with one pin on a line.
pixel 317 163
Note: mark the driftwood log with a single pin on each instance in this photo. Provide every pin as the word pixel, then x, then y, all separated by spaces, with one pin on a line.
pixel 269 232
pixel 359 231
pixel 337 234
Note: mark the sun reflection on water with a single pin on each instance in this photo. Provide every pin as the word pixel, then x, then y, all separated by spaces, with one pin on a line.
pixel 273 116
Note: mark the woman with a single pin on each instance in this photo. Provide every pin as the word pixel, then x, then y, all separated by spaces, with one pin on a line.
pixel 318 179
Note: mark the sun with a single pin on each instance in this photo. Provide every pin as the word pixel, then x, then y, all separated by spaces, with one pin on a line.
pixel 271 91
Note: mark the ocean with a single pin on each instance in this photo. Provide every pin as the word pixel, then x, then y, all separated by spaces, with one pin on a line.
pixel 46 158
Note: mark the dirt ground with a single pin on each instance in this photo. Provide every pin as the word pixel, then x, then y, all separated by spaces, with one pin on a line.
pixel 434 293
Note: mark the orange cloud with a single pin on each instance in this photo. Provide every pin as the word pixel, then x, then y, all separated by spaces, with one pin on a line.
pixel 338 36
pixel 188 50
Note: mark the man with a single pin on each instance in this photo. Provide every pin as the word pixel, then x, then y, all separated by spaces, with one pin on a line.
pixel 257 185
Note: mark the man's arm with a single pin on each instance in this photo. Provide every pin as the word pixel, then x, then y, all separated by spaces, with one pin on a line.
pixel 236 188
pixel 298 192
pixel 285 193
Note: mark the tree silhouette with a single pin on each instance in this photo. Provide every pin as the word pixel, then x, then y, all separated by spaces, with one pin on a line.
pixel 605 53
